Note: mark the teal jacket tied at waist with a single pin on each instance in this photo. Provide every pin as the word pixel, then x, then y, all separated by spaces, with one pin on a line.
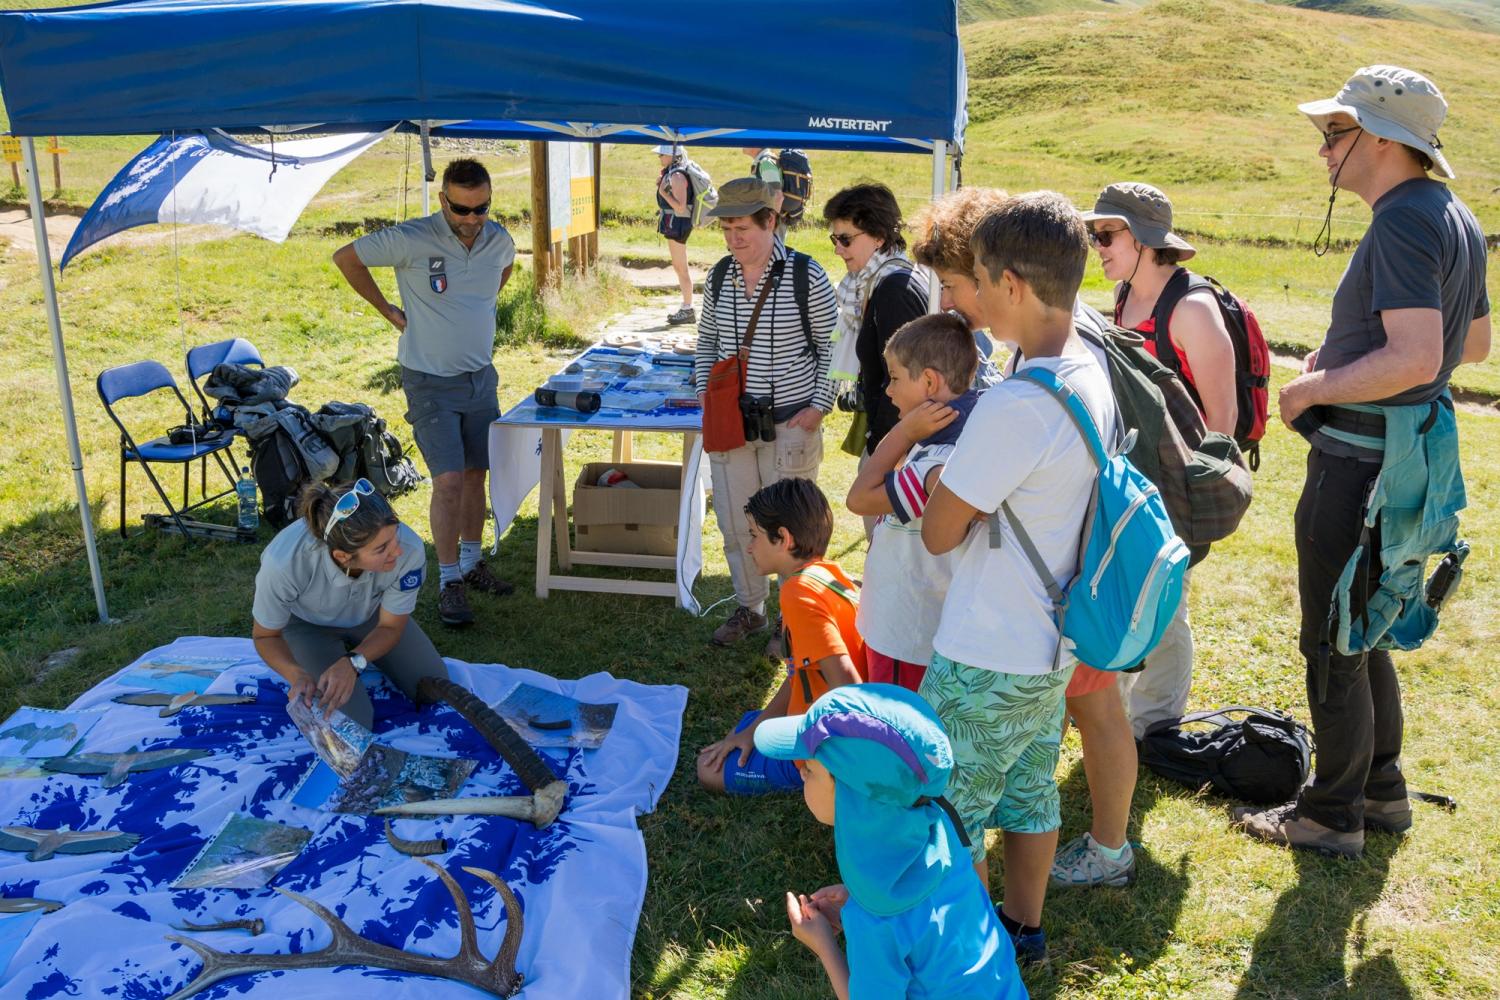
pixel 1415 499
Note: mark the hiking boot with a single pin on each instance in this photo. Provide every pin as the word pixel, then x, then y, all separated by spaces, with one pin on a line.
pixel 740 624
pixel 480 578
pixel 1393 816
pixel 1282 825
pixel 776 646
pixel 453 604
pixel 681 316
pixel 1082 863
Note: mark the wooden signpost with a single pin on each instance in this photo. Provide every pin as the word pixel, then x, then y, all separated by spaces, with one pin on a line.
pixel 564 208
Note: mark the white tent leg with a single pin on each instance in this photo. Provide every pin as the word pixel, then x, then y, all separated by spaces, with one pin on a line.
pixel 60 363
pixel 939 185
pixel 427 172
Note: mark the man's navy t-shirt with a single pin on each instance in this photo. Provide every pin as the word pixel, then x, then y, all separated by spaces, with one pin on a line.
pixel 1424 250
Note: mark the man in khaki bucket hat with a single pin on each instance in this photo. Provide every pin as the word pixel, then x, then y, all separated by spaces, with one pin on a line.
pixel 1374 405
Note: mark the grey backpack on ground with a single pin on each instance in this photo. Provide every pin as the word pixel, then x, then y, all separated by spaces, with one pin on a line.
pixel 366 449
pixel 287 451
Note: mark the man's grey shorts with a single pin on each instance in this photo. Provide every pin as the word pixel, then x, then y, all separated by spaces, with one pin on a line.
pixel 450 416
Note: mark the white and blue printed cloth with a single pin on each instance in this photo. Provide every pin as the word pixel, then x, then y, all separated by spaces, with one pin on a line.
pixel 581 881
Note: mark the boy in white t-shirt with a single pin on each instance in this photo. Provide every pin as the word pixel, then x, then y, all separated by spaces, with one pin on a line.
pixel 997 675
pixel 904 586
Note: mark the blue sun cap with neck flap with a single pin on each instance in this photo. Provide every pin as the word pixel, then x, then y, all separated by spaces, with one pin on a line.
pixel 890 760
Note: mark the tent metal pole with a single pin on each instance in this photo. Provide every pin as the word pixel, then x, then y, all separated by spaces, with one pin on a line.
pixel 939 184
pixel 60 364
pixel 427 172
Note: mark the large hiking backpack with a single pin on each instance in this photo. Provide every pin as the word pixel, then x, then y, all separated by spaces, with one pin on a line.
pixel 1201 475
pixel 366 449
pixel 702 195
pixel 796 184
pixel 286 452
pixel 1131 563
pixel 1263 757
pixel 1252 356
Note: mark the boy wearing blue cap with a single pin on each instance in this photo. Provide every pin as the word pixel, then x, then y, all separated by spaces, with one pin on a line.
pixel 916 920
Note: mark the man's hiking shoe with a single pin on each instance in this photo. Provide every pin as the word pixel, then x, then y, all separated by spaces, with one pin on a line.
pixel 681 316
pixel 1083 863
pixel 1392 816
pixel 740 624
pixel 1282 825
pixel 776 646
pixel 480 578
pixel 453 604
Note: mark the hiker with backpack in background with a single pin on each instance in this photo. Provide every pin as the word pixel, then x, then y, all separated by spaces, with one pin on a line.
pixel 674 220
pixel 761 374
pixel 764 167
pixel 450 267
pixel 882 292
pixel 1383 487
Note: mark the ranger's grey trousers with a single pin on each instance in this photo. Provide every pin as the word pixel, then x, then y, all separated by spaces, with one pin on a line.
pixel 318 647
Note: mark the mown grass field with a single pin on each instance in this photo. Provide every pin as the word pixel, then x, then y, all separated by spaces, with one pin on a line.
pixel 1213 914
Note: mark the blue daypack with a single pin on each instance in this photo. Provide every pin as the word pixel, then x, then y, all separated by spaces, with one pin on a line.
pixel 1131 562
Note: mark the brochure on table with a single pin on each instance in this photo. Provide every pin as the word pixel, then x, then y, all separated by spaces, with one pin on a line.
pixel 620 376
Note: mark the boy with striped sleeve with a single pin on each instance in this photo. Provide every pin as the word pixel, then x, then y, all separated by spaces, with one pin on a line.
pixel 902 597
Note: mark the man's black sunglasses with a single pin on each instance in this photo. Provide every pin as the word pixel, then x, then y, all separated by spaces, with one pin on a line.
pixel 1332 135
pixel 480 209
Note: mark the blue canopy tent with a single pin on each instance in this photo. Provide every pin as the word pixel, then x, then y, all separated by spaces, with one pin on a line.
pixel 774 72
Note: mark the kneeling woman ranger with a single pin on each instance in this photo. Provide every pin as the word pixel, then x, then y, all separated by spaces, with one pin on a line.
pixel 335 592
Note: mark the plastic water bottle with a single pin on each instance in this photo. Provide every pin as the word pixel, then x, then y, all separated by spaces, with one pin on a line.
pixel 249 510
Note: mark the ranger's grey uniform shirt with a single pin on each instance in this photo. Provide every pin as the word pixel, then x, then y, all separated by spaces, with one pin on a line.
pixel 448 290
pixel 298 577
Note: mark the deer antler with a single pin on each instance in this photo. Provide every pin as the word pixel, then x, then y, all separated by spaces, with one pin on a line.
pixel 498 977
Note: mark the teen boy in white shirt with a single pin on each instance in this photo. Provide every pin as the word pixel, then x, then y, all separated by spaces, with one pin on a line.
pixel 996 677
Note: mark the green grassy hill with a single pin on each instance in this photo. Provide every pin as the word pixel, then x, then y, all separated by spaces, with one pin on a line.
pixel 1480 15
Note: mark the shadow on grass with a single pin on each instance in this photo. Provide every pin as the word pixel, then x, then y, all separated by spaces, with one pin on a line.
pixel 1094 932
pixel 387 379
pixel 1300 952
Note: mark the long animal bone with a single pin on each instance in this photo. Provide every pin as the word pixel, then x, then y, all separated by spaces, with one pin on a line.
pixel 40 845
pixel 115 766
pixel 25 904
pixel 415 848
pixel 171 704
pixel 548 791
pixel 538 809
pixel 256 926
pixel 497 976
pixel 34 734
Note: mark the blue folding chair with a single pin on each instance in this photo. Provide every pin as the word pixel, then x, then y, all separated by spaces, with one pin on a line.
pixel 141 379
pixel 204 358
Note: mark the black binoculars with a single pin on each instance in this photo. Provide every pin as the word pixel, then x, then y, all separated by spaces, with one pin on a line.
pixel 851 400
pixel 760 420
pixel 583 402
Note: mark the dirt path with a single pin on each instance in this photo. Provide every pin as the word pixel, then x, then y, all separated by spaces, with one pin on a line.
pixel 17 230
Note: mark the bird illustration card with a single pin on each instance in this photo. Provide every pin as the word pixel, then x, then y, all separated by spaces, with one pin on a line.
pixel 548 719
pixel 178 675
pixel 42 732
pixel 385 777
pixel 245 853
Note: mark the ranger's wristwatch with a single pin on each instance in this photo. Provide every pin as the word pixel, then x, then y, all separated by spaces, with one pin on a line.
pixel 359 661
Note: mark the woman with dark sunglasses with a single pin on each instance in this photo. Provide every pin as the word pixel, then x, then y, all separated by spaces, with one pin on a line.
pixel 335 593
pixel 882 292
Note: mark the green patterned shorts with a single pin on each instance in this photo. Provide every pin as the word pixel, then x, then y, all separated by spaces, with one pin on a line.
pixel 1005 730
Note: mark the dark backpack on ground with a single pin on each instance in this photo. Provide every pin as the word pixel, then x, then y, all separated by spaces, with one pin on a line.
pixel 796 184
pixel 1252 356
pixel 1262 756
pixel 287 451
pixel 366 449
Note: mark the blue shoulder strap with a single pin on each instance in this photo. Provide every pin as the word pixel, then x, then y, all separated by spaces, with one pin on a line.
pixel 1060 390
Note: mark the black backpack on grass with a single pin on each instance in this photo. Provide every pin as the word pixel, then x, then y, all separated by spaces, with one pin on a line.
pixel 1261 757
pixel 366 448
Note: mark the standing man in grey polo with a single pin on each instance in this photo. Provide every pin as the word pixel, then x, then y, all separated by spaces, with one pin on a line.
pixel 450 267
pixel 1383 472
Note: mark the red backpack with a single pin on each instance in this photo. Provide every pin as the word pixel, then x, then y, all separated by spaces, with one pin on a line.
pixel 1252 356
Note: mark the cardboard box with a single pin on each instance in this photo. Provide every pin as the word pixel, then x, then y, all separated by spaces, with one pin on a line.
pixel 620 519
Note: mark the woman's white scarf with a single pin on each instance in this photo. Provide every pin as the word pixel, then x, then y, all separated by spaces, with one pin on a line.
pixel 853 294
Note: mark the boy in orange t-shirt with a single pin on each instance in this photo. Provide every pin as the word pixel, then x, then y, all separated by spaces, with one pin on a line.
pixel 790 525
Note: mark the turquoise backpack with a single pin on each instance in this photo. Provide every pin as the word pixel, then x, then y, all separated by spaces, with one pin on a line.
pixel 1131 562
